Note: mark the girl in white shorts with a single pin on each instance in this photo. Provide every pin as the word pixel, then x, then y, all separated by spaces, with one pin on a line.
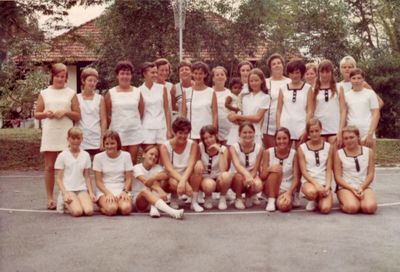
pixel 315 160
pixel 113 173
pixel 354 173
pixel 156 121
pixel 147 189
pixel 72 176
pixel 178 155
pixel 246 157
pixel 213 167
pixel 125 109
pixel 280 172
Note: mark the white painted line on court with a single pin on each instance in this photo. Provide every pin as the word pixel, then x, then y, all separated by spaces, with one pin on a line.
pixel 194 213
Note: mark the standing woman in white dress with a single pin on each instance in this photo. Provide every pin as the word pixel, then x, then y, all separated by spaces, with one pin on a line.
pixel 213 167
pixel 199 103
pixel 57 107
pixel 244 68
pixel 327 103
pixel 185 83
pixel 125 109
pixel 254 104
pixel 156 121
pixel 315 160
pixel 354 172
pixel 246 158
pixel 361 109
pixel 179 155
pixel 163 73
pixel 275 82
pixel 219 76
pixel 293 110
pixel 93 121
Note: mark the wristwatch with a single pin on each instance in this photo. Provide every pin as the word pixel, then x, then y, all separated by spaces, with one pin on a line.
pixel 125 191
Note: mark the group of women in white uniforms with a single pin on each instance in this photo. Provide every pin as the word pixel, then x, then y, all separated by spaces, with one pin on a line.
pixel 201 140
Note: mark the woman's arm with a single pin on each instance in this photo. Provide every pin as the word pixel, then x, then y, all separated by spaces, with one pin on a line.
pixel 88 183
pixel 98 175
pixel 338 171
pixel 184 106
pixel 342 117
pixel 214 110
pixel 371 170
pixel 264 165
pixel 40 114
pixel 223 160
pixel 141 107
pixel 240 169
pixel 310 107
pixel 166 161
pixel 303 168
pixel 252 118
pixel 254 171
pixel 279 109
pixel 167 113
pixel 380 101
pixel 107 101
pixel 296 176
pixel 228 105
pixel 329 167
pixel 103 120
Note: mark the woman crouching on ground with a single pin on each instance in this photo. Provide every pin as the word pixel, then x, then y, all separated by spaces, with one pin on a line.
pixel 280 171
pixel 147 191
pixel 246 156
pixel 354 172
pixel 213 166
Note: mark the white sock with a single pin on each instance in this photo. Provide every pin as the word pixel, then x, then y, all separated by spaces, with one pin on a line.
pixel 161 205
pixel 154 212
pixel 194 197
pixel 271 199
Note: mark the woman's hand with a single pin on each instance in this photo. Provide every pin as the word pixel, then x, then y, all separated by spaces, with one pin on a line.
pixel 92 197
pixel 180 190
pixel 189 189
pixel 369 141
pixel 248 182
pixel 358 192
pixel 339 140
pixel 124 196
pixel 232 116
pixel 214 148
pixel 275 168
pixel 110 198
pixel 67 197
pixel 49 114
pixel 59 114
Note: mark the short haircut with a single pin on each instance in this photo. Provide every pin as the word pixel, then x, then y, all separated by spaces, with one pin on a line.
pixel 219 68
pixel 243 63
pixel 58 68
pixel 146 66
pixel 356 71
pixel 295 65
pixel 352 129
pixel 87 72
pixel 275 56
pixel 246 124
pixel 124 65
pixel 161 62
pixel 312 122
pixel 284 130
pixel 348 59
pixel 199 65
pixel 148 147
pixel 313 66
pixel 184 63
pixel 181 124
pixel 75 132
pixel 113 135
pixel 234 81
pixel 260 74
pixel 210 129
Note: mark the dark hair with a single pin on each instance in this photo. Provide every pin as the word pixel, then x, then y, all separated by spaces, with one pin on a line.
pixel 243 63
pixel 146 66
pixel 161 62
pixel 181 124
pixel 284 130
pixel 356 71
pixel 325 65
pixel 234 81
pixel 260 74
pixel 246 124
pixel 312 122
pixel 210 129
pixel 184 63
pixel 199 65
pixel 275 56
pixel 124 65
pixel 295 65
pixel 111 134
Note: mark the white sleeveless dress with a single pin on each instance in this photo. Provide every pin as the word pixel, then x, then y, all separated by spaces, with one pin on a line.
pixel 90 122
pixel 287 167
pixel 354 169
pixel 224 125
pixel 248 160
pixel 316 162
pixel 327 111
pixel 211 163
pixel 179 161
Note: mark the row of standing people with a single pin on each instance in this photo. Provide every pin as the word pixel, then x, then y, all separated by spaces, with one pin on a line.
pixel 126 107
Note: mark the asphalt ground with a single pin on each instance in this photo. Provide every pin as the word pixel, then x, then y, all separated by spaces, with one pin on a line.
pixel 34 239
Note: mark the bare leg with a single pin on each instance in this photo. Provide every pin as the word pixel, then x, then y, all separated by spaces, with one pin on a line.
pixel 86 203
pixel 349 203
pixel 74 207
pixel 49 161
pixel 368 203
pixel 325 203
pixel 107 208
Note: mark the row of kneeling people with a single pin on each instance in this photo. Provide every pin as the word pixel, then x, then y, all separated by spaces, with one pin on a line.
pixel 245 168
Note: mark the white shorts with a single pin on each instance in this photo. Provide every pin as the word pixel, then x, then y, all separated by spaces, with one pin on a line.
pixel 155 136
pixel 115 189
pixel 132 137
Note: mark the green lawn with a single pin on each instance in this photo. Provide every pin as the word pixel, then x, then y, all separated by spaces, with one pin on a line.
pixel 20 150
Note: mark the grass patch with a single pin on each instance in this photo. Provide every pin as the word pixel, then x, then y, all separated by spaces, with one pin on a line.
pixel 20 150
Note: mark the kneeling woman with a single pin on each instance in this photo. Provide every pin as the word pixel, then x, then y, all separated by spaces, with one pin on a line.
pixel 280 171
pixel 212 167
pixel 178 155
pixel 147 191
pixel 113 174
pixel 315 160
pixel 246 156
pixel 354 173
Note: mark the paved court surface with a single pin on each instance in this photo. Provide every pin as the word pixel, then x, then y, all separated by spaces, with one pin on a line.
pixel 33 239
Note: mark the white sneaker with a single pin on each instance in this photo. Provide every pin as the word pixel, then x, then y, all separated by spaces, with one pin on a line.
pixel 196 207
pixel 311 206
pixel 174 203
pixel 256 200
pixel 188 200
pixel 60 203
pixel 200 198
pixel 154 212
pixel 216 195
pixel 208 203
pixel 222 204
pixel 249 202
pixel 239 204
pixel 179 214
pixel 296 200
pixel 271 205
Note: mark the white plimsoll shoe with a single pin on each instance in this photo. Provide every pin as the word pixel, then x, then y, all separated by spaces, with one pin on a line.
pixel 200 198
pixel 208 203
pixel 196 207
pixel 270 206
pixel 60 203
pixel 311 206
pixel 179 214
pixel 296 200
pixel 256 200
pixel 174 203
pixel 154 212
pixel 249 202
pixel 222 204
pixel 239 204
